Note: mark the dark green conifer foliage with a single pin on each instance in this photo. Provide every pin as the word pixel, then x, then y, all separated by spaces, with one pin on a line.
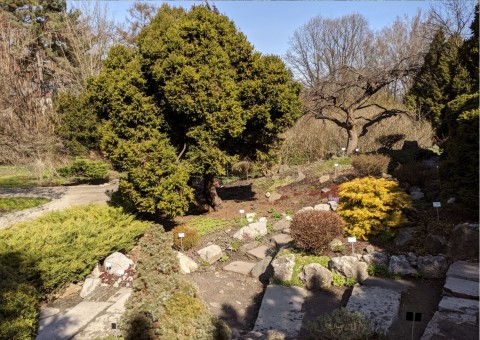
pixel 194 97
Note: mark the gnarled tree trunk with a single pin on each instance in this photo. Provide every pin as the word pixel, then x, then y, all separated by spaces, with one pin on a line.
pixel 210 192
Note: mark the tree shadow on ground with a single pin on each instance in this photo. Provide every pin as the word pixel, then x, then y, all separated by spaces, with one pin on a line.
pixel 410 151
pixel 246 321
pixel 238 193
pixel 320 302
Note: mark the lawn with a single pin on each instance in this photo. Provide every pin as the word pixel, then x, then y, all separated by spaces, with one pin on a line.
pixel 12 204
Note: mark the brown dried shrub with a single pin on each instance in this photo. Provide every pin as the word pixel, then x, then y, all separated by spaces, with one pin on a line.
pixel 189 241
pixel 370 165
pixel 312 230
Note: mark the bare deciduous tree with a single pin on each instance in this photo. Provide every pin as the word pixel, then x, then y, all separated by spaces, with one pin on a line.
pixel 140 15
pixel 344 65
pixel 453 16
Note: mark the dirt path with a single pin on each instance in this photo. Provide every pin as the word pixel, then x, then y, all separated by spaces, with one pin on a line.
pixel 62 198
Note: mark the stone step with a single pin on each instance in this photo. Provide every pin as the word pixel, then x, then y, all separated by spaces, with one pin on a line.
pixel 281 310
pixel 386 283
pixel 451 326
pixel 240 267
pixel 260 252
pixel 379 305
pixel 65 326
pixel 464 270
pixel 458 305
pixel 281 239
pixel 461 288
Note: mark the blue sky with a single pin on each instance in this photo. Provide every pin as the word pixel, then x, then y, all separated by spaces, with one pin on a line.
pixel 268 25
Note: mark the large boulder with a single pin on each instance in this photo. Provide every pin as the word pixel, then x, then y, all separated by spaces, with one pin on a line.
pixel 210 254
pixel 281 225
pixel 434 267
pixel 315 276
pixel 283 267
pixel 118 263
pixel 436 244
pixel 399 265
pixel 463 244
pixel 187 265
pixel 335 245
pixel 261 269
pixel 349 266
pixel 377 259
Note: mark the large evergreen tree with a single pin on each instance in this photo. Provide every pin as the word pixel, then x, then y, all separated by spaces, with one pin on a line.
pixel 195 92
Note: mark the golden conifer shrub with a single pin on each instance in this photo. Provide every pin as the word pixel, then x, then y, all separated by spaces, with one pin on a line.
pixel 370 206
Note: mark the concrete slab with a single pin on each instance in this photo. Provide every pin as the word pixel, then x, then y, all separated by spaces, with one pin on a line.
pixel 281 310
pixel 239 267
pixel 119 299
pixel 65 326
pixel 386 283
pixel 464 270
pixel 100 328
pixel 260 252
pixel 45 312
pixel 461 288
pixel 282 239
pixel 451 326
pixel 378 305
pixel 458 305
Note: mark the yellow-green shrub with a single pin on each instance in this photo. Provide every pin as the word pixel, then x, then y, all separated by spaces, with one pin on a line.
pixel 189 241
pixel 40 257
pixel 369 206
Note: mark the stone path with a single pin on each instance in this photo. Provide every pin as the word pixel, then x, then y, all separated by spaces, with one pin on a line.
pixel 281 310
pixel 458 311
pixel 62 198
pixel 87 320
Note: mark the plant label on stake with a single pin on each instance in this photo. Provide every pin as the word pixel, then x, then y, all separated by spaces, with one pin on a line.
pixel 352 240
pixel 335 171
pixel 241 211
pixel 437 205
pixel 181 236
pixel 343 152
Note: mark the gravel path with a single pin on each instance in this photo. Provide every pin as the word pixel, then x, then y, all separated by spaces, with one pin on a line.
pixel 62 198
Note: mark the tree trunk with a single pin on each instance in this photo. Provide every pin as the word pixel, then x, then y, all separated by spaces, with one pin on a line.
pixel 210 192
pixel 352 141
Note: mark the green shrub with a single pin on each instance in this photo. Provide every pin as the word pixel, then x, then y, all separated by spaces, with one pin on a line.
pixel 338 280
pixel 312 230
pixel 62 247
pixel 40 257
pixel 86 171
pixel 378 270
pixel 370 165
pixel 189 241
pixel 340 324
pixel 370 206
pixel 163 304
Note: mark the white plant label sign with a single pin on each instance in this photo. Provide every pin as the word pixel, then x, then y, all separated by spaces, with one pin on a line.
pixel 352 239
pixel 437 204
pixel 181 235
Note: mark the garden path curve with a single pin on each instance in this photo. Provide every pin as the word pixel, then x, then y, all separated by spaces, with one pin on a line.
pixel 62 198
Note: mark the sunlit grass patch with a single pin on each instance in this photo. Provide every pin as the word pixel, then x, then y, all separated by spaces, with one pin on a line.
pixel 12 204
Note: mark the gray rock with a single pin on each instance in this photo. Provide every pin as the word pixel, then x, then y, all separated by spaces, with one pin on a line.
pixel 322 207
pixel 89 286
pixel 305 209
pixel 399 265
pixel 300 176
pixel 119 262
pixel 283 267
pixel 45 312
pixel 458 305
pixel 325 190
pixel 433 267
pixel 417 195
pixel 260 252
pixel 324 179
pixel 261 267
pixel 349 266
pixel 96 272
pixel 451 200
pixel 341 179
pixel 335 244
pixel 248 246
pixel 451 326
pixel 315 276
pixel 461 288
pixel 464 270
pixel 369 249
pixel 411 257
pixel 378 305
pixel 280 225
pixel 436 244
pixel 252 231
pixel 377 259
pixel 210 254
pixel 240 267
pixel 333 205
pixel 404 236
pixel 187 265
pixel 414 189
pixel 282 239
pixel 463 243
